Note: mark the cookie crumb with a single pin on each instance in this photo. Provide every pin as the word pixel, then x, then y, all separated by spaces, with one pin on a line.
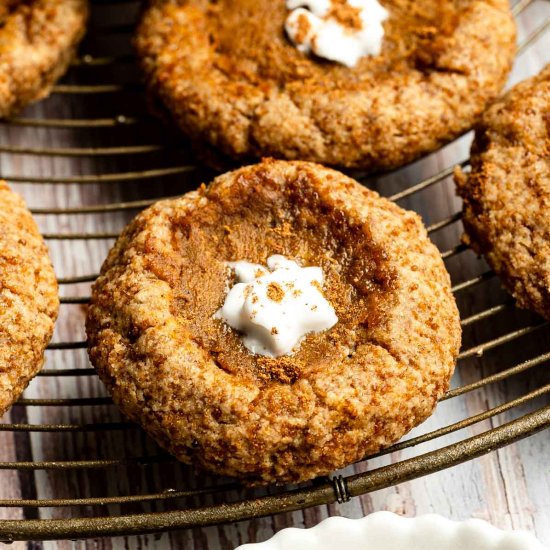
pixel 348 16
pixel 275 293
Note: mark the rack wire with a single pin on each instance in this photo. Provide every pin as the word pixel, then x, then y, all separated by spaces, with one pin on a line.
pixel 84 471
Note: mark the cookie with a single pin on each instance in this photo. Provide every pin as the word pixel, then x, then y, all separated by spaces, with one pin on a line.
pixel 506 194
pixel 233 81
pixel 159 342
pixel 38 40
pixel 28 297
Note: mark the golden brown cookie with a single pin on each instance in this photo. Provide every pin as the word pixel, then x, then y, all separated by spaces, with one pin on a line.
pixel 28 297
pixel 187 378
pixel 507 193
pixel 231 79
pixel 38 39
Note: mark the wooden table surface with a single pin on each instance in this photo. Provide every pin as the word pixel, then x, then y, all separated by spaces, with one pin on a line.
pixel 509 487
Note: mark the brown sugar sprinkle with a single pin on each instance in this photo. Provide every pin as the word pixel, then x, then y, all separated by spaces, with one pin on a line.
pixel 282 369
pixel 304 27
pixel 284 230
pixel 6 8
pixel 274 330
pixel 427 31
pixel 317 285
pixel 275 293
pixel 346 15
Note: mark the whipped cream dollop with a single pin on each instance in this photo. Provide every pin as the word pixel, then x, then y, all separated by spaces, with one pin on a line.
pixel 275 307
pixel 339 30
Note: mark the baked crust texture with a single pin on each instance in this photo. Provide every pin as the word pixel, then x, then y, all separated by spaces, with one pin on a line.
pixel 507 193
pixel 231 79
pixel 189 381
pixel 38 40
pixel 28 297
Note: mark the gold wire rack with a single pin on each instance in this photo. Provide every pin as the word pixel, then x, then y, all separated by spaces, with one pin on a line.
pixel 107 478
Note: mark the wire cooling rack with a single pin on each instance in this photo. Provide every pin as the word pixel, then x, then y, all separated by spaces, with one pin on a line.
pixel 87 160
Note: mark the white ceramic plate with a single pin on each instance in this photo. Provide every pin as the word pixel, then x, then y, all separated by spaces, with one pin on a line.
pixel 387 531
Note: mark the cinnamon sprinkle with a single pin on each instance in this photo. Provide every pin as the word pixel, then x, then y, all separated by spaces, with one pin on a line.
pixel 304 27
pixel 346 15
pixel 274 292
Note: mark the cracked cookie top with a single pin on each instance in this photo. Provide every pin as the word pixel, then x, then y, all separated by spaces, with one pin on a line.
pixel 28 297
pixel 186 376
pixel 38 39
pixel 507 193
pixel 231 78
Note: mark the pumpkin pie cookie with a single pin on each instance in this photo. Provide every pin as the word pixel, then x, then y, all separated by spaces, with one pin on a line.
pixel 276 325
pixel 38 39
pixel 507 192
pixel 241 78
pixel 28 297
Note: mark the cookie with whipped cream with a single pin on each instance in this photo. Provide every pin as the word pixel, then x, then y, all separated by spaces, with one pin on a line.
pixel 38 40
pixel 352 83
pixel 276 325
pixel 28 297
pixel 507 192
